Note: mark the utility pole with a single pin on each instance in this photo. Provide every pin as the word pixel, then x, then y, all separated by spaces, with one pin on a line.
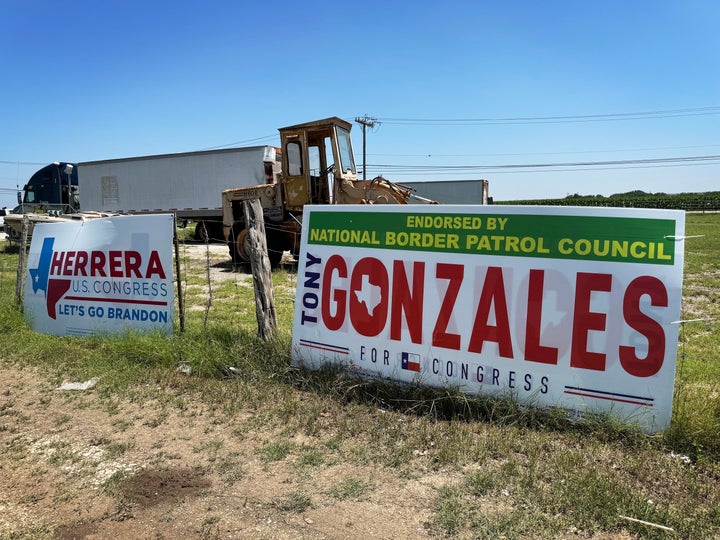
pixel 366 122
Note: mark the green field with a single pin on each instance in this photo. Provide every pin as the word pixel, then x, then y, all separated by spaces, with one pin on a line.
pixel 691 202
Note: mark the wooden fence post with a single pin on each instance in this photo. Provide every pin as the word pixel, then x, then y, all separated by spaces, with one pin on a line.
pixel 21 262
pixel 256 246
pixel 181 307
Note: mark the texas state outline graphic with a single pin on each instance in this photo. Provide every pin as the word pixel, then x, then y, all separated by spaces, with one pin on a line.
pixel 54 288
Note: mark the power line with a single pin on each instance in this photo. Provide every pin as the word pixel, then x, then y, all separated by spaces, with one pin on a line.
pixel 620 168
pixel 579 169
pixel 265 138
pixel 7 162
pixel 644 115
pixel 246 141
pixel 532 167
pixel 499 154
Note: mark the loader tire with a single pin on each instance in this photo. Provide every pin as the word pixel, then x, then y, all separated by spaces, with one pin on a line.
pixel 240 253
pixel 236 244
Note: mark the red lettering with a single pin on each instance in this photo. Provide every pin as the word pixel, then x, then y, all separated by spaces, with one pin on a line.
pixel 68 265
pixel 585 320
pixel 366 317
pixel 154 267
pixel 534 351
pixel 492 295
pixel 368 298
pixel 115 263
pixel 56 263
pixel 81 261
pixel 127 264
pixel 97 264
pixel 405 302
pixel 646 326
pixel 453 273
pixel 132 264
pixel 335 264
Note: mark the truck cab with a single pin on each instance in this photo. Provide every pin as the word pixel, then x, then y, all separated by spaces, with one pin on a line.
pixel 52 189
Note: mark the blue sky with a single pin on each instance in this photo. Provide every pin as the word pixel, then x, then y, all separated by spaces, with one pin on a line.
pixel 97 80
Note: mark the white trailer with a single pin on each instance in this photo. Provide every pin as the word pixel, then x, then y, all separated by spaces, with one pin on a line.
pixel 453 191
pixel 188 184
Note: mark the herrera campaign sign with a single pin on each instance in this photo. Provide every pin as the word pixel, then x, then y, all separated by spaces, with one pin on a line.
pixel 565 307
pixel 104 275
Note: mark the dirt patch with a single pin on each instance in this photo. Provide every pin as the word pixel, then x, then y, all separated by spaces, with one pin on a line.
pixel 152 487
pixel 213 258
pixel 216 259
pixel 75 465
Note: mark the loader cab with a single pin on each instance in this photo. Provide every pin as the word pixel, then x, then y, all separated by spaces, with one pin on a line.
pixel 316 155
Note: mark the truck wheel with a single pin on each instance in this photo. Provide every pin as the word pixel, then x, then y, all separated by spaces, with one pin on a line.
pixel 239 249
pixel 238 253
pixel 201 232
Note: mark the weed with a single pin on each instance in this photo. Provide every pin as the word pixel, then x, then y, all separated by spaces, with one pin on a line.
pixel 210 449
pixel 157 420
pixel 310 457
pixel 297 501
pixel 114 450
pixel 32 497
pixel 451 511
pixel 210 528
pixel 350 488
pixel 63 419
pixel 113 486
pixel 275 451
pixel 231 470
pixel 122 424
pixel 60 453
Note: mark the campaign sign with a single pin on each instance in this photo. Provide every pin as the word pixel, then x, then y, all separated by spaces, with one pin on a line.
pixel 565 307
pixel 105 275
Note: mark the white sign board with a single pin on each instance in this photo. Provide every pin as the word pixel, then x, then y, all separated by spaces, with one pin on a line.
pixel 103 275
pixel 554 306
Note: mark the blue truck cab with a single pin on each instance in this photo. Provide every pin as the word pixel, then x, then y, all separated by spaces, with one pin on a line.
pixel 52 189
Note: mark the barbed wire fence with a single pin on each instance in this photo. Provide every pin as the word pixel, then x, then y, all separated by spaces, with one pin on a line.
pixel 207 267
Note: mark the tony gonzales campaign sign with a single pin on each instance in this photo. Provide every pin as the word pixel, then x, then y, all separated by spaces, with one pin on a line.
pixel 568 307
pixel 104 275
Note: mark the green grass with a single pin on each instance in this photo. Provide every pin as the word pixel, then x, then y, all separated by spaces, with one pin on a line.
pixel 297 501
pixel 510 471
pixel 276 451
pixel 696 419
pixel 351 488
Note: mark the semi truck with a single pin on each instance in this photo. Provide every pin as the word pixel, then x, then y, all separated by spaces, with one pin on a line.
pixel 187 184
